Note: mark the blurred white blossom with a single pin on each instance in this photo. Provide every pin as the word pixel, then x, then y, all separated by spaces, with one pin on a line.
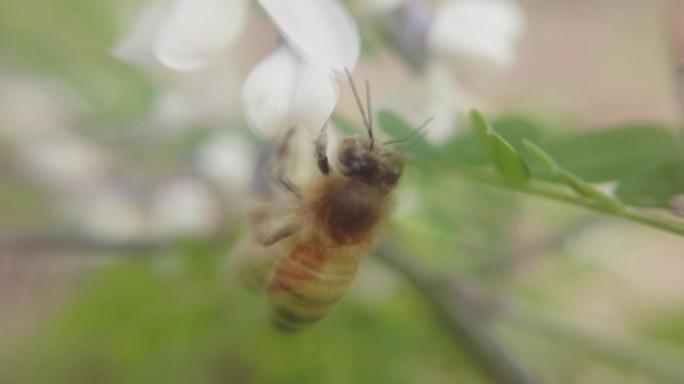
pixel 108 212
pixel 209 96
pixel 183 34
pixel 481 29
pixel 457 33
pixel 378 6
pixel 227 160
pixel 321 31
pixel 184 206
pixel 435 94
pixel 285 91
pixel 676 204
pixel 31 107
pixel 296 86
pixel 37 119
pixel 65 161
pixel 300 90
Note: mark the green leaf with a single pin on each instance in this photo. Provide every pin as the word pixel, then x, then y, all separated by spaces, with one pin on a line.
pixel 398 128
pixel 508 162
pixel 612 154
pixel 393 125
pixel 481 129
pixel 541 156
pixel 510 165
pixel 653 186
pixel 465 148
pixel 583 188
pixel 344 125
pixel 571 180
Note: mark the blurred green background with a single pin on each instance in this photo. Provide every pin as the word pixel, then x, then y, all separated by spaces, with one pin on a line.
pixel 596 299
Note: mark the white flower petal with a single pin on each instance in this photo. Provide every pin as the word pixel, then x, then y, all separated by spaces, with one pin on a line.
pixel 63 161
pixel 210 96
pixel 320 30
pixel 379 6
pixel 676 204
pixel 184 206
pixel 197 31
pixel 485 29
pixel 267 93
pixel 227 159
pixel 108 213
pixel 137 45
pixel 284 91
pixel 315 98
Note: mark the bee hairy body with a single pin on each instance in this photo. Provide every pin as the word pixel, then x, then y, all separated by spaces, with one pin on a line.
pixel 306 263
pixel 341 217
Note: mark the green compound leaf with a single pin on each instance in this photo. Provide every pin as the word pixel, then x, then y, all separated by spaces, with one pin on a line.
pixel 465 148
pixel 344 125
pixel 653 187
pixel 612 154
pixel 481 129
pixel 573 181
pixel 508 162
pixel 398 128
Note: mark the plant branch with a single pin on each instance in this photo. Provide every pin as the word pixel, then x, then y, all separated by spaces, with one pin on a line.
pixel 32 242
pixel 459 316
pixel 456 311
pixel 548 191
pixel 659 361
pixel 465 311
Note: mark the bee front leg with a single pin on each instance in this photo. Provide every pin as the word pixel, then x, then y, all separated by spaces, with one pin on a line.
pixel 321 149
pixel 278 168
pixel 268 239
pixel 268 230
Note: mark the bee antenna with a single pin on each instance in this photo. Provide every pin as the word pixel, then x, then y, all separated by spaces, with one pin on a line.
pixel 416 131
pixel 413 143
pixel 366 114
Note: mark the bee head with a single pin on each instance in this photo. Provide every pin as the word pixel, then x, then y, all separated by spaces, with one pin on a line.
pixel 358 161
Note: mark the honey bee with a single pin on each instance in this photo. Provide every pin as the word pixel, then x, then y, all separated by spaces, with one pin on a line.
pixel 306 262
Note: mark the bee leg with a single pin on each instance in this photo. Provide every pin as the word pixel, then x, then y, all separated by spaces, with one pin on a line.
pixel 271 238
pixel 321 147
pixel 265 234
pixel 279 165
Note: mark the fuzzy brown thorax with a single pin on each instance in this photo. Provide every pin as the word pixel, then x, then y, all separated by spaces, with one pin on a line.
pixel 373 166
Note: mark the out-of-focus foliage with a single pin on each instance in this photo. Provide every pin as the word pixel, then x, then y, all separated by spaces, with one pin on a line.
pixel 176 316
pixel 70 40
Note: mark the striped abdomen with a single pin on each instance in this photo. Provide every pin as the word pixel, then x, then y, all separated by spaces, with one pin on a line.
pixel 305 284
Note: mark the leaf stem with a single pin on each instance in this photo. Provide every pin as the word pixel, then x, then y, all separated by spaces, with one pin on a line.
pixel 460 317
pixel 543 189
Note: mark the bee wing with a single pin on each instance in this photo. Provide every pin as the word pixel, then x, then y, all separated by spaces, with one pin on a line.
pixel 272 229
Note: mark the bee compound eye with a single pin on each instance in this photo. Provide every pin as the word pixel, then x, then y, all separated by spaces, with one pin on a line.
pixel 391 176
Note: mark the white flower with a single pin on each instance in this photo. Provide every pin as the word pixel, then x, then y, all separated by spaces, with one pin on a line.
pixel 284 91
pixel 36 118
pixel 320 30
pixel 379 6
pixel 209 97
pixel 107 212
pixel 183 34
pixel 436 95
pixel 64 161
pixel 184 206
pixel 485 29
pixel 676 204
pixel 462 31
pixel 227 160
pixel 287 90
